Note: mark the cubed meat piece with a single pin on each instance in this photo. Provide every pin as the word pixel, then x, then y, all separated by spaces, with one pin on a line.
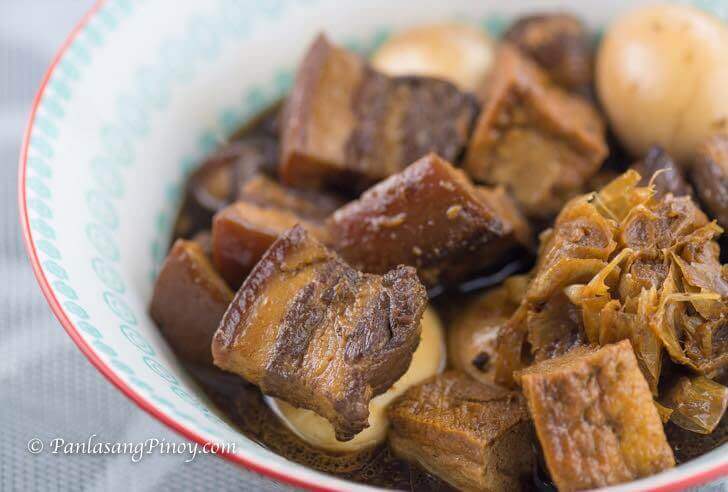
pixel 188 302
pixel 309 204
pixel 561 45
pixel 659 169
pixel 472 435
pixel 540 142
pixel 348 125
pixel 710 176
pixel 473 332
pixel 595 418
pixel 242 232
pixel 308 329
pixel 429 216
pixel 214 185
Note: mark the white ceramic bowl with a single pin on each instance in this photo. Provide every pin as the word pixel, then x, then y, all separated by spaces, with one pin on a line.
pixel 137 94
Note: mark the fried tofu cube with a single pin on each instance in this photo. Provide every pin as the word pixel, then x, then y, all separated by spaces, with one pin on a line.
pixel 242 232
pixel 308 329
pixel 540 142
pixel 429 216
pixel 595 418
pixel 188 302
pixel 472 435
pixel 309 204
pixel 348 125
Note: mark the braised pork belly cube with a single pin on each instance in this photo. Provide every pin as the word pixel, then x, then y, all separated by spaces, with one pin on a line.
pixel 214 184
pixel 472 435
pixel 561 45
pixel 595 418
pixel 309 204
pixel 188 302
pixel 308 329
pixel 540 142
pixel 348 125
pixel 710 175
pixel 242 232
pixel 429 216
pixel 472 333
pixel 660 170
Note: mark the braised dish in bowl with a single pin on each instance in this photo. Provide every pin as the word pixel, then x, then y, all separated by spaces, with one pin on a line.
pixel 468 259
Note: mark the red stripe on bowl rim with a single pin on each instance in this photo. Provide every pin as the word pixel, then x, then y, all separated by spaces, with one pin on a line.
pixel 720 470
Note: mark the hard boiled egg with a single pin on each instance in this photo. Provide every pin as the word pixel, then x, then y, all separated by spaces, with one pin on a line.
pixel 428 360
pixel 662 76
pixel 459 53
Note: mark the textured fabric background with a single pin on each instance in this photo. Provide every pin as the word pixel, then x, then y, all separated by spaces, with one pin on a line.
pixel 47 388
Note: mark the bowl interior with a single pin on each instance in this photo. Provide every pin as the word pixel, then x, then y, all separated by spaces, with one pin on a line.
pixel 141 91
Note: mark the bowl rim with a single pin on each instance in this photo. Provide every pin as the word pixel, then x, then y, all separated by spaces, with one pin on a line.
pixel 701 477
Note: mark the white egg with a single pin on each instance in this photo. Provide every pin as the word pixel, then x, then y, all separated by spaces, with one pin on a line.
pixel 428 360
pixel 662 76
pixel 459 53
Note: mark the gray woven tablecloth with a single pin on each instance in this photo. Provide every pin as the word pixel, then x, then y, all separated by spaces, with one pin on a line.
pixel 47 388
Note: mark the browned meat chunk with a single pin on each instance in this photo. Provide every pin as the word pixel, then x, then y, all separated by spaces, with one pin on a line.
pixel 349 125
pixel 710 175
pixel 188 302
pixel 309 204
pixel 242 232
pixel 540 142
pixel 472 435
pixel 561 45
pixel 660 170
pixel 595 418
pixel 473 332
pixel 308 329
pixel 214 185
pixel 428 216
